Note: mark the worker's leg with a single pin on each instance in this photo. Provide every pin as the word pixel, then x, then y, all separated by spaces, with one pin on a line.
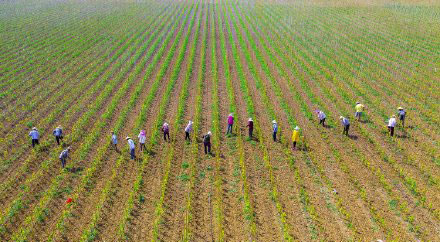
pixel 209 148
pixel 250 133
pixel 63 162
pixel 168 135
pixel 294 144
pixel 132 153
pixel 33 143
pixel 323 122
pixel 206 147
pixel 392 131
pixel 274 136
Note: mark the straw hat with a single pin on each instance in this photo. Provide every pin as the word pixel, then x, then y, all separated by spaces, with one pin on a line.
pixel 274 122
pixel 399 108
pixel 209 133
pixel 394 116
pixel 68 148
pixel 127 138
pixel 297 128
pixel 166 124
pixel 34 128
pixel 250 119
pixel 340 117
pixel 231 114
pixel 59 127
pixel 190 122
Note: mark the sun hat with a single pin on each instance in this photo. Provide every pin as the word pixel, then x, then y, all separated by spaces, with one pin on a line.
pixel 296 128
pixel 209 133
pixel 274 122
pixel 231 114
pixel 34 128
pixel 394 116
pixel 399 108
pixel 127 138
pixel 59 127
pixel 68 148
pixel 340 117
pixel 250 119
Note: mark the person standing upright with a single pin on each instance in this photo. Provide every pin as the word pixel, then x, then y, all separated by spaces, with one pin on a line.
pixel 230 123
pixel 274 130
pixel 251 127
pixel 58 133
pixel 402 114
pixel 359 110
pixel 188 130
pixel 35 136
pixel 166 131
pixel 132 147
pixel 346 125
pixel 142 138
pixel 391 124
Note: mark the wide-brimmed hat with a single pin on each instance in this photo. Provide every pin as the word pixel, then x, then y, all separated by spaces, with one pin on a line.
pixel 231 114
pixel 250 119
pixel 296 128
pixel 190 122
pixel 399 108
pixel 274 122
pixel 127 138
pixel 394 116
pixel 68 148
pixel 166 124
pixel 209 133
pixel 59 127
pixel 341 117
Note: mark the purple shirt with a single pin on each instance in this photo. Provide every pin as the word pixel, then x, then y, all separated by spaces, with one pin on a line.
pixel 230 120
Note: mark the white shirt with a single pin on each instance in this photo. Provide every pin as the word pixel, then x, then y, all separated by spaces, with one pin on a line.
pixel 131 144
pixel 392 122
pixel 142 138
pixel 321 115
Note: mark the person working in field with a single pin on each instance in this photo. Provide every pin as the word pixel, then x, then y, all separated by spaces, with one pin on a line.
pixel 274 130
pixel 401 113
pixel 188 130
pixel 35 136
pixel 166 131
pixel 114 141
pixel 58 133
pixel 230 123
pixel 207 142
pixel 359 110
pixel 142 138
pixel 295 137
pixel 251 127
pixel 391 124
pixel 63 156
pixel 346 125
pixel 132 147
pixel 321 117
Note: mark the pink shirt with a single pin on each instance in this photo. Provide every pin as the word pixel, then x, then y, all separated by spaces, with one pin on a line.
pixel 230 120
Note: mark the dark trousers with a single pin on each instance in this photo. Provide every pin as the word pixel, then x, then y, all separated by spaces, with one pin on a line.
pixel 346 128
pixel 274 136
pixel 294 144
pixel 63 161
pixel 35 142
pixel 391 129
pixel 187 136
pixel 207 148
pixel 143 146
pixel 132 153
pixel 58 138
pixel 165 135
pixel 229 129
pixel 402 119
pixel 322 121
pixel 251 131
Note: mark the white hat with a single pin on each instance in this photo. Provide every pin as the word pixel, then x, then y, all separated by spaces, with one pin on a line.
pixel 209 133
pixel 394 116
pixel 166 124
pixel 296 128
pixel 250 119
pixel 340 117
pixel 190 122
pixel 69 148
pixel 34 128
pixel 127 138
pixel 274 122
pixel 59 127
pixel 399 108
pixel 231 114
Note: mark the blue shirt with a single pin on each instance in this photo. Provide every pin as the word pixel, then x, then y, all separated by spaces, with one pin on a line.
pixel 34 134
pixel 275 127
pixel 345 122
pixel 114 139
pixel 58 132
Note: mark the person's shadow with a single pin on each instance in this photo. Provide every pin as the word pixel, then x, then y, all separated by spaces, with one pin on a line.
pixel 352 136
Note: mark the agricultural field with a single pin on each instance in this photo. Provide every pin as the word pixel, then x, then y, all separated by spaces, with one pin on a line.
pixel 99 66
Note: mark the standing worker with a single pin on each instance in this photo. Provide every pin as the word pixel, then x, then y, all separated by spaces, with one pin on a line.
pixel 230 123
pixel 58 133
pixel 35 136
pixel 188 130
pixel 295 137
pixel 275 130
pixel 207 142
pixel 346 125
pixel 402 115
pixel 251 127
pixel 166 131
pixel 64 155
pixel 359 110
pixel 114 141
pixel 142 138
pixel 321 117
pixel 132 147
pixel 391 124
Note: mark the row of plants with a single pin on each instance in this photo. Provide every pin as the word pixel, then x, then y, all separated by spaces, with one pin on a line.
pixel 89 87
pixel 247 206
pixel 122 120
pixel 139 182
pixel 78 133
pixel 334 100
pixel 251 112
pixel 291 120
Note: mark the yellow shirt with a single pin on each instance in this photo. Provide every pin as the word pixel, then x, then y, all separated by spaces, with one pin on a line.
pixel 295 136
pixel 359 108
